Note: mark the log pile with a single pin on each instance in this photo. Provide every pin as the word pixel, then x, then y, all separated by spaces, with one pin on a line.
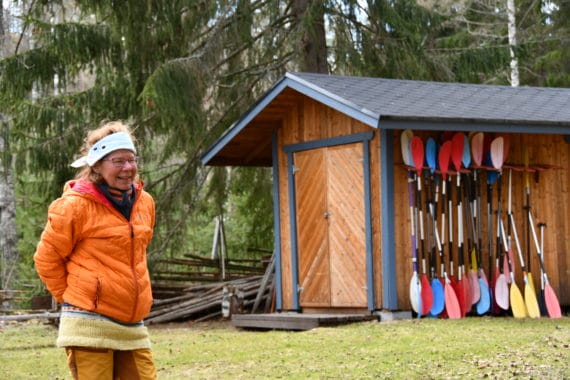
pixel 196 288
pixel 173 276
pixel 177 298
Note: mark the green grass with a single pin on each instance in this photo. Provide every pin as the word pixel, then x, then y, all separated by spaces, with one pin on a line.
pixel 496 348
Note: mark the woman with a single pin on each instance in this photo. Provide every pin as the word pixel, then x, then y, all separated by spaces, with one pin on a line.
pixel 92 259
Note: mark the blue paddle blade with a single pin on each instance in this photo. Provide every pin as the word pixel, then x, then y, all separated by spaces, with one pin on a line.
pixel 485 301
pixel 466 157
pixel 431 154
pixel 438 297
pixel 492 175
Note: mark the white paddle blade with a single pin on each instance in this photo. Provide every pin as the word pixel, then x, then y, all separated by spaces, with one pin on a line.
pixel 405 140
pixel 415 293
pixel 502 292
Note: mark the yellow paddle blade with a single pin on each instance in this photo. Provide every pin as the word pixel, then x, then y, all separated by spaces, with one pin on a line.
pixel 531 301
pixel 517 302
pixel 474 260
pixel 530 282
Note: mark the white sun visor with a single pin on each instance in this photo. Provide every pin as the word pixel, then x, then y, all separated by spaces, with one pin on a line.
pixel 108 144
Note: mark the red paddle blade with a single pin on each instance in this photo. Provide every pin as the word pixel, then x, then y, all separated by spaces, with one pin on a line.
pixel 427 295
pixel 418 154
pixel 457 143
pixel 443 157
pixel 477 142
pixel 495 308
pixel 475 289
pixel 466 285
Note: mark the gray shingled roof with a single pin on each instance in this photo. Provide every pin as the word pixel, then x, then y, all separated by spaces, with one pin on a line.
pixel 422 100
pixel 401 104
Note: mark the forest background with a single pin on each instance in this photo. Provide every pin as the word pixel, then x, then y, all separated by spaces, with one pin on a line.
pixel 182 71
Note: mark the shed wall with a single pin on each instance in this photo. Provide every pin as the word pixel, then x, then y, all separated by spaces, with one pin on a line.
pixel 309 121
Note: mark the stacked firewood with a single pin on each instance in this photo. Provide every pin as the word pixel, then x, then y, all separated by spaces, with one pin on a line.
pixel 179 300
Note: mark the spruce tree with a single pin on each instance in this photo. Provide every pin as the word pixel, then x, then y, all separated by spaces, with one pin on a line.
pixel 180 71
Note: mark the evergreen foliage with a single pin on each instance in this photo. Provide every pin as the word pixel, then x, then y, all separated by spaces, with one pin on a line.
pixel 182 71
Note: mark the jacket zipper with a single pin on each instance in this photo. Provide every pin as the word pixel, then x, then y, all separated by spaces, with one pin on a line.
pixel 133 270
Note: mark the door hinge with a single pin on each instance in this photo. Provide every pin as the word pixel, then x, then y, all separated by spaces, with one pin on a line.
pixel 294 169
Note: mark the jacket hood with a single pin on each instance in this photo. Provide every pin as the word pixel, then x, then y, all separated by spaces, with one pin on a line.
pixel 87 187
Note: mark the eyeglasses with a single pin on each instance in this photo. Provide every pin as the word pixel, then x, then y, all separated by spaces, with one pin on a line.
pixel 121 162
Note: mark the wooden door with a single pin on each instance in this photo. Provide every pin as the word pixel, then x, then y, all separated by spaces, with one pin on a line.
pixel 329 188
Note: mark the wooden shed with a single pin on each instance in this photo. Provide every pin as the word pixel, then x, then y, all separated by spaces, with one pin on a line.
pixel 343 237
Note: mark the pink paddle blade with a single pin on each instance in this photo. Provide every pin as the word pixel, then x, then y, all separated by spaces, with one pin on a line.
pixel 552 304
pixel 497 152
pixel 459 292
pixel 475 289
pixel 452 307
pixel 477 142
pixel 483 277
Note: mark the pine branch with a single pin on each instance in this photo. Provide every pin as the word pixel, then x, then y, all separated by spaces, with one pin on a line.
pixel 25 27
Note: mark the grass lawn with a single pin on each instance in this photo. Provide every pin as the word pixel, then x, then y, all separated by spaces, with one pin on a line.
pixel 487 347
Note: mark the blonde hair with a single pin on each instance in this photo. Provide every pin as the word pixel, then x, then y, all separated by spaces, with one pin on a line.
pixel 105 129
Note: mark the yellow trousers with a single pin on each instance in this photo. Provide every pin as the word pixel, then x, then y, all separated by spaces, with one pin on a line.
pixel 102 364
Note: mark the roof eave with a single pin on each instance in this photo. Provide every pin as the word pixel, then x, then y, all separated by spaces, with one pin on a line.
pixel 300 85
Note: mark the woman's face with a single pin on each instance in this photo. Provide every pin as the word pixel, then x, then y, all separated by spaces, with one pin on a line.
pixel 118 169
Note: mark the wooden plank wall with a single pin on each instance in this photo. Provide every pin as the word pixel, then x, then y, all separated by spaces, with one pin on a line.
pixel 550 204
pixel 310 121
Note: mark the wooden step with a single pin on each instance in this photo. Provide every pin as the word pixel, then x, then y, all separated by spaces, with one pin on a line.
pixel 295 321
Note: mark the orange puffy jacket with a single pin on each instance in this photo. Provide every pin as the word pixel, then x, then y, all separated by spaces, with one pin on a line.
pixel 92 257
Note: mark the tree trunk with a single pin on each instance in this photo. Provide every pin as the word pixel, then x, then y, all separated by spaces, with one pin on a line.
pixel 512 27
pixel 311 25
pixel 8 237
